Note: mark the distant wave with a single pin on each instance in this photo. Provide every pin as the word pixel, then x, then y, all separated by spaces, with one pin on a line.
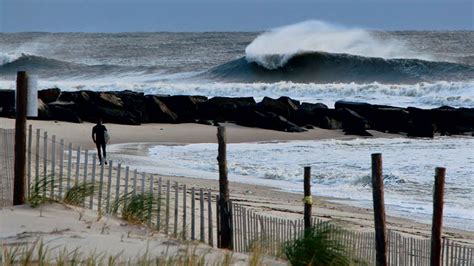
pixel 49 67
pixel 322 67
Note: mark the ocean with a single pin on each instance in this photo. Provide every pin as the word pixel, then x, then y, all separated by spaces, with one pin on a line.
pixel 311 61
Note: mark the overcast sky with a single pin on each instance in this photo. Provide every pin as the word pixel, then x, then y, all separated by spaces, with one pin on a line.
pixel 229 15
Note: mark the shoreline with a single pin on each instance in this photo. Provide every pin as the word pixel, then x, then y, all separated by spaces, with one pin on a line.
pixel 263 198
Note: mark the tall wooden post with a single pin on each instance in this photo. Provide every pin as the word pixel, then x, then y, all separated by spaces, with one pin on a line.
pixel 20 138
pixel 436 227
pixel 308 199
pixel 225 215
pixel 379 210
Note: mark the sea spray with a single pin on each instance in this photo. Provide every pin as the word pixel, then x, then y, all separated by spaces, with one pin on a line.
pixel 274 48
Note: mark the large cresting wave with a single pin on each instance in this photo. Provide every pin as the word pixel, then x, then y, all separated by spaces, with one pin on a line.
pixel 317 52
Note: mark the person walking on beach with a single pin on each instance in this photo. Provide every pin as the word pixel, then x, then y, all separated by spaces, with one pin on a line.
pixel 99 136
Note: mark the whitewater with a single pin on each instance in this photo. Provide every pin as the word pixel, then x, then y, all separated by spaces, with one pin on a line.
pixel 341 170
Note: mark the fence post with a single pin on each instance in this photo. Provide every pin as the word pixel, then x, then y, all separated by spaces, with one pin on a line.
pixel 20 138
pixel 308 199
pixel 225 219
pixel 436 227
pixel 379 210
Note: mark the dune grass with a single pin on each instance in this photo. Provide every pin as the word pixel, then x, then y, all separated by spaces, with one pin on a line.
pixel 318 246
pixel 78 193
pixel 40 191
pixel 38 253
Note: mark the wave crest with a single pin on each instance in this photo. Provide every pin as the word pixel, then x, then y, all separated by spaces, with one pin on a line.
pixel 273 49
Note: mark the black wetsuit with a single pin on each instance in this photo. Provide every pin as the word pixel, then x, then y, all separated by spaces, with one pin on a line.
pixel 99 131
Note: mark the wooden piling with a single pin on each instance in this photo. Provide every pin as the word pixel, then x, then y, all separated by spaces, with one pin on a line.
pixel 20 138
pixel 225 216
pixel 379 210
pixel 437 224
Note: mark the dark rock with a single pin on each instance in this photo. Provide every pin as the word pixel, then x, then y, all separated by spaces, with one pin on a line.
pixel 158 112
pixel 312 106
pixel 132 102
pixel 353 123
pixel 63 114
pixel 268 121
pixel 225 108
pixel 184 106
pixel 7 98
pixel 204 122
pixel 49 95
pixel 43 111
pixel 388 119
pixel 420 123
pixel 450 120
pixel 316 115
pixel 283 106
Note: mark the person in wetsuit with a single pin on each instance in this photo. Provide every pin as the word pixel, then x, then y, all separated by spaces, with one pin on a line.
pixel 98 136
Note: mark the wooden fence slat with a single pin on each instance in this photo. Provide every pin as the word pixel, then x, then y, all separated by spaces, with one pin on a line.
pixel 101 182
pixel 117 182
pixel 184 211
pixel 45 161
pixel 61 168
pixel 176 204
pixel 69 166
pixel 193 216
pixel 53 164
pixel 152 198
pixel 134 182
pixel 209 218
pixel 160 202
pixel 143 183
pixel 167 211
pixel 30 140
pixel 86 162
pixel 109 187
pixel 218 227
pixel 37 155
pixel 127 172
pixel 78 166
pixel 201 218
pixel 91 200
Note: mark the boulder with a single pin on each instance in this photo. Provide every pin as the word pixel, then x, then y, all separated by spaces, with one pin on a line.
pixel 225 108
pixel 283 106
pixel 49 95
pixel 158 112
pixel 313 114
pixel 184 106
pixel 7 98
pixel 353 123
pixel 388 119
pixel 43 111
pixel 62 114
pixel 449 120
pixel 268 121
pixel 420 123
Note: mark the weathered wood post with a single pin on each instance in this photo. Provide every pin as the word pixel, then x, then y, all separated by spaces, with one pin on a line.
pixel 225 215
pixel 379 210
pixel 436 227
pixel 308 199
pixel 20 138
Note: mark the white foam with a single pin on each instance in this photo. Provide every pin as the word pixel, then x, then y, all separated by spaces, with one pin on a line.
pixel 341 169
pixel 6 58
pixel 274 48
pixel 426 95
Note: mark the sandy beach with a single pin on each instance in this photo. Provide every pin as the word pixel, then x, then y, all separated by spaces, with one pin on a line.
pixel 265 199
